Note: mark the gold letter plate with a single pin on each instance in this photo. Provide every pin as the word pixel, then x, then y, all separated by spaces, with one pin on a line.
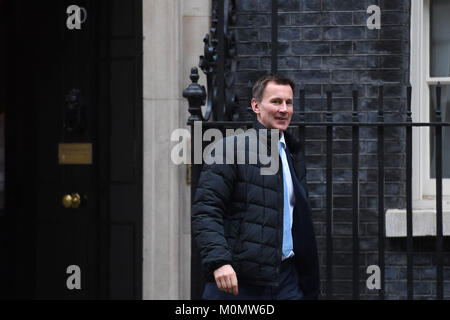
pixel 75 153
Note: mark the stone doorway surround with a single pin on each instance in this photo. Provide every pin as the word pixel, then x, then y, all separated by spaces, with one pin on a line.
pixel 173 41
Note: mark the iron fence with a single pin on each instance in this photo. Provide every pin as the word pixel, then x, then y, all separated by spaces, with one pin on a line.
pixel 356 125
pixel 221 113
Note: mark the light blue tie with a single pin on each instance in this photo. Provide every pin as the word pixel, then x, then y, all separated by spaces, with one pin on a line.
pixel 287 234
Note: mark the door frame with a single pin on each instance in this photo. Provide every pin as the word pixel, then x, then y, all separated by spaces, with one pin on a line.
pixel 21 175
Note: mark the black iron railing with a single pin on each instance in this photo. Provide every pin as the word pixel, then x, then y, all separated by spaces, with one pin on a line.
pixel 221 114
pixel 356 125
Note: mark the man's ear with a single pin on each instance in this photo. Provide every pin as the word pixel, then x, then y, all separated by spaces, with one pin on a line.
pixel 255 106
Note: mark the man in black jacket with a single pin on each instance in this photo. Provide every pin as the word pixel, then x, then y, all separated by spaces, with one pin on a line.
pixel 254 231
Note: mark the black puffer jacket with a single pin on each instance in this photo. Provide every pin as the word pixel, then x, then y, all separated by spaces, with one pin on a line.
pixel 237 219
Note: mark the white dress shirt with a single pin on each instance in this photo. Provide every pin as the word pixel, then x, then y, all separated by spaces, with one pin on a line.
pixel 290 186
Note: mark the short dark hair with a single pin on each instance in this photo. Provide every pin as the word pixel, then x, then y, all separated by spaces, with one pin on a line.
pixel 261 83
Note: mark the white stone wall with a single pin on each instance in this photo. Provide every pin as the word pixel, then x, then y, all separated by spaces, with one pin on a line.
pixel 173 34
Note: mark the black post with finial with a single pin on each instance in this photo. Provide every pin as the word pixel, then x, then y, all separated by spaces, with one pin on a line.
pixel 195 94
pixel 381 219
pixel 329 190
pixel 355 192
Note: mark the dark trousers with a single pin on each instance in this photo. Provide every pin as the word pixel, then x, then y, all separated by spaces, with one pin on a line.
pixel 288 288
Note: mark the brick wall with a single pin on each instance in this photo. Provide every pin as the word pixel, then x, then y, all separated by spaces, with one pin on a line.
pixel 326 44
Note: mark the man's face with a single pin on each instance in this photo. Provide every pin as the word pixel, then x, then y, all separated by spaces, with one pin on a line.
pixel 275 109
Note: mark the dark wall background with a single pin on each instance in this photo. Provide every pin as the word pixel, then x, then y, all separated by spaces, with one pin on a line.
pixel 326 44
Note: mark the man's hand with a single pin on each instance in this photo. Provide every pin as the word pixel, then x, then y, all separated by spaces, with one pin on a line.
pixel 226 279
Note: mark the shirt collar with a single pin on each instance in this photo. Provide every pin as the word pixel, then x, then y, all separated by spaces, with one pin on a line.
pixel 282 141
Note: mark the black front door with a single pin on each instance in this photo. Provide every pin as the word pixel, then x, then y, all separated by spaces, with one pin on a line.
pixel 73 145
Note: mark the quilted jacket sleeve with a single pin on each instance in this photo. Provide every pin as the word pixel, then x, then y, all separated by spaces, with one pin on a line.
pixel 211 198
